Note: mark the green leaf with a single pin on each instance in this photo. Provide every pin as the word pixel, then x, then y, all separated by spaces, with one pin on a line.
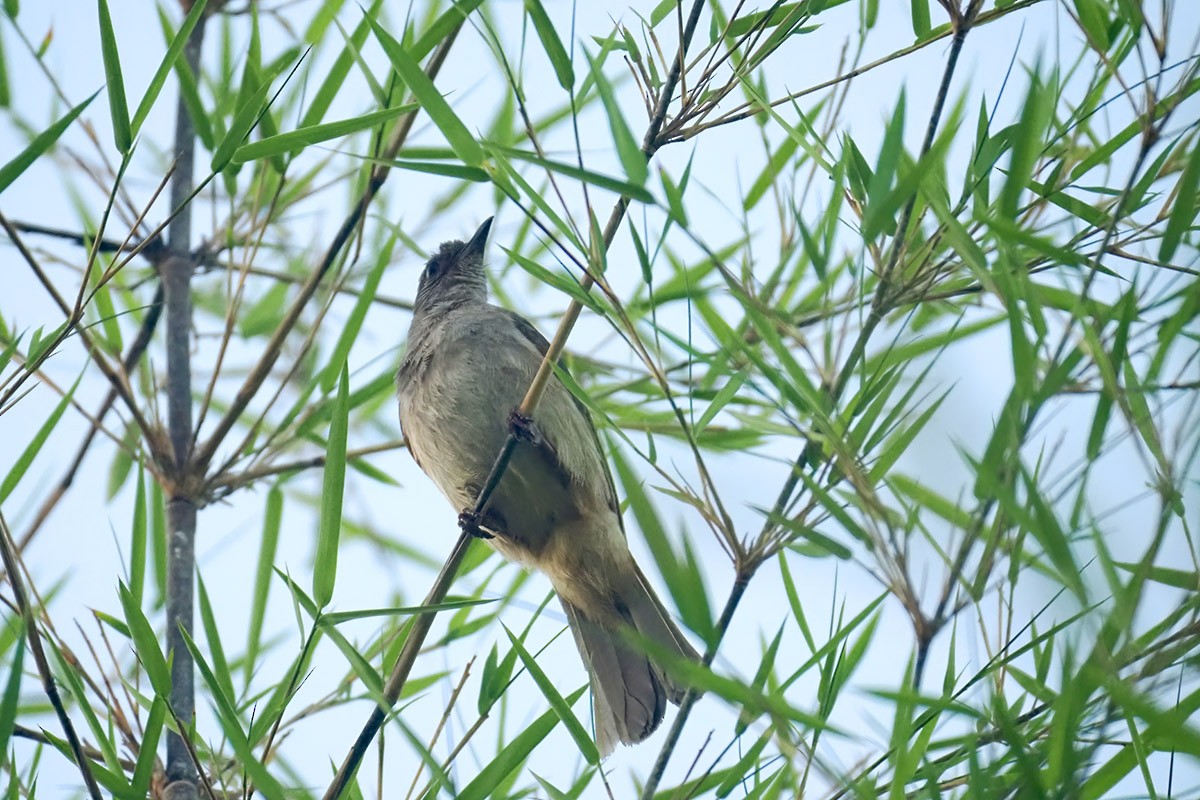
pixel 514 754
pixel 430 98
pixel 1167 576
pixel 632 159
pixel 621 187
pixel 332 488
pixel 145 643
pixel 459 171
pixel 551 44
pixel 366 296
pixel 924 496
pixel 338 617
pixel 560 706
pixel 189 92
pixel 143 770
pixel 5 99
pixel 174 50
pixel 137 543
pixel 40 144
pixel 232 726
pixel 12 694
pixel 336 76
pixel 22 462
pixel 770 172
pixel 727 392
pixel 272 522
pixel 920 18
pixel 1183 212
pixel 212 634
pixel 441 27
pixel 291 141
pixel 247 116
pixel 1027 145
pixel 115 81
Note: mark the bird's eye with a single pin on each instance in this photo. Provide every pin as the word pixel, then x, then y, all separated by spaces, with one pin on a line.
pixel 432 269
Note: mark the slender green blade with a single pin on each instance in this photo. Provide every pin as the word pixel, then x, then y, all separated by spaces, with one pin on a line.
pixel 21 465
pixel 441 27
pixel 630 190
pixel 244 121
pixel 358 314
pixel 12 693
pixel 166 65
pixel 146 644
pixel 551 44
pixel 137 543
pixel 143 770
pixel 40 144
pixel 336 76
pixel 232 726
pixel 285 143
pixel 212 634
pixel 514 754
pixel 557 702
pixel 117 105
pixel 430 98
pixel 632 159
pixel 272 523
pixel 1183 213
pixel 325 569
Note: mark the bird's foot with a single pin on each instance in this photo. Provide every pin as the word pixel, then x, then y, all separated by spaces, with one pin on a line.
pixel 523 427
pixel 468 521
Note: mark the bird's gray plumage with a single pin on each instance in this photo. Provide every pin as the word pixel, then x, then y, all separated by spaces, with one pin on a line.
pixel 467 366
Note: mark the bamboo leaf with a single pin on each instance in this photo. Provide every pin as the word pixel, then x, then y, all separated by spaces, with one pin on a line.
pixel 117 106
pixel 272 523
pixel 551 43
pixel 1183 212
pixel 287 143
pixel 40 144
pixel 332 488
pixel 430 98
pixel 232 727
pixel 11 696
pixel 513 755
pixel 138 538
pixel 146 644
pixel 174 50
pixel 632 159
pixel 560 706
pixel 21 464
pixel 630 190
pixel 248 115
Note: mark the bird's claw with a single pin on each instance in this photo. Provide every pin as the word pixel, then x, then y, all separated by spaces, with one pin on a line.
pixel 523 427
pixel 468 521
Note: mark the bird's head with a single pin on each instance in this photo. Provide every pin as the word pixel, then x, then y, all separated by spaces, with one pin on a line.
pixel 454 274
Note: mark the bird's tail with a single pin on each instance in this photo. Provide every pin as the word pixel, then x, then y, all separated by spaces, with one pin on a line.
pixel 630 688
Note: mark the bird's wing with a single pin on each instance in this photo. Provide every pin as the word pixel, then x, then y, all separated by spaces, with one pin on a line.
pixel 535 337
pixel 405 427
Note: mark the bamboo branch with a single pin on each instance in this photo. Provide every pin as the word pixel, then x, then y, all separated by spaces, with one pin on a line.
pixel 176 274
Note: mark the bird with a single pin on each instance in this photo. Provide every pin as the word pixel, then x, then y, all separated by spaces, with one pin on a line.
pixel 466 368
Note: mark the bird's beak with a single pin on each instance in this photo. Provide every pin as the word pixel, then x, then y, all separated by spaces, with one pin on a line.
pixel 478 242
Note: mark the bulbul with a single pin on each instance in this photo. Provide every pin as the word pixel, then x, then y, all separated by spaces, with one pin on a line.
pixel 466 370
